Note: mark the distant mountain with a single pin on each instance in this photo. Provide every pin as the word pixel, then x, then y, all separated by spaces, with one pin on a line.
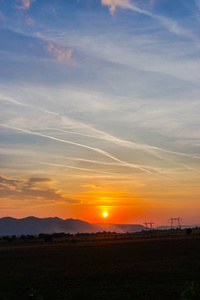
pixel 34 226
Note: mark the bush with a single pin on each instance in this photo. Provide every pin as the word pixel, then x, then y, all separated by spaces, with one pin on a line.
pixel 191 291
pixel 188 231
pixel 48 238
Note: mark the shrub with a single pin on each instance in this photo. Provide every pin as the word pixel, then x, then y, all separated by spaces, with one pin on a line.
pixel 188 231
pixel 191 291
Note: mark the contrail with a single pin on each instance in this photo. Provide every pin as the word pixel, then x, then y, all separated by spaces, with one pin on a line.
pixel 80 145
pixel 94 161
pixel 5 98
pixel 76 168
pixel 171 25
pixel 191 169
pixel 110 138
pixel 110 164
pixel 12 101
pixel 153 150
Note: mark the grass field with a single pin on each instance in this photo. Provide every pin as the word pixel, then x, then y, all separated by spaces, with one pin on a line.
pixel 148 268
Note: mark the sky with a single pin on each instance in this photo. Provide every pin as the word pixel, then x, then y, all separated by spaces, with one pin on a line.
pixel 100 103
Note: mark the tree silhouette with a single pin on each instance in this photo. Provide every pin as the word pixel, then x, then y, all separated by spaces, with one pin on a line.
pixel 188 231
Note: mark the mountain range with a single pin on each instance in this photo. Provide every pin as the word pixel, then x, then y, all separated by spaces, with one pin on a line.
pixel 34 226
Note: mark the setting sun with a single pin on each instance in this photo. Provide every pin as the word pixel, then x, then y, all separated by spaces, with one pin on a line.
pixel 105 214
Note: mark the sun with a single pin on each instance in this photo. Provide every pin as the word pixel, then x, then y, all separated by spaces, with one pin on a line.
pixel 105 214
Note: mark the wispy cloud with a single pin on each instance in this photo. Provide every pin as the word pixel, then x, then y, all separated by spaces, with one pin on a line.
pixel 2 17
pixel 146 148
pixel 102 152
pixel 98 134
pixel 29 21
pixel 76 168
pixel 59 52
pixel 94 161
pixel 153 54
pixel 169 24
pixel 197 3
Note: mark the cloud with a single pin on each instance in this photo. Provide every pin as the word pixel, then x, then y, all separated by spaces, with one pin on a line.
pixel 101 135
pixel 72 167
pixel 24 4
pixel 169 24
pixel 37 180
pixel 2 17
pixel 31 192
pixel 197 2
pixel 59 52
pixel 23 8
pixel 113 4
pixel 102 152
pixel 29 21
pixel 90 161
pixel 92 186
pixel 146 148
pixel 4 181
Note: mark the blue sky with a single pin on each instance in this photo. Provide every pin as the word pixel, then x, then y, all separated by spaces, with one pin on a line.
pixel 100 109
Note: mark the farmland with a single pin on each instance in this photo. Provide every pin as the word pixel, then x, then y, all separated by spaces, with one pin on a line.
pixel 139 267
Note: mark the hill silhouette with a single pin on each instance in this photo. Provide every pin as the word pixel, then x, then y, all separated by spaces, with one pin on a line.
pixel 34 226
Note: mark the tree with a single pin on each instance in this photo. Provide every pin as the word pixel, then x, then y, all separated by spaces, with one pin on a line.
pixel 188 231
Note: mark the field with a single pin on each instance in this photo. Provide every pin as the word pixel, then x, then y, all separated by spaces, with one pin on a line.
pixel 137 268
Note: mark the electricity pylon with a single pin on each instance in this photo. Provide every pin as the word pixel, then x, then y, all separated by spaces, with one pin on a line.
pixel 151 225
pixel 178 221
pixel 146 225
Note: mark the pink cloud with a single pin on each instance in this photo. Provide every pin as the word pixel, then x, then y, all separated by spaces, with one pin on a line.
pixel 113 4
pixel 59 52
pixel 25 4
pixel 38 34
pixel 2 17
pixel 29 21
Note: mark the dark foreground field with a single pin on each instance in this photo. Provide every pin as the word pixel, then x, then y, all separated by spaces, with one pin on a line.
pixel 156 268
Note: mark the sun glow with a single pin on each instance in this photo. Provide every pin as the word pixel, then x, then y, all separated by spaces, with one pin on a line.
pixel 105 214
